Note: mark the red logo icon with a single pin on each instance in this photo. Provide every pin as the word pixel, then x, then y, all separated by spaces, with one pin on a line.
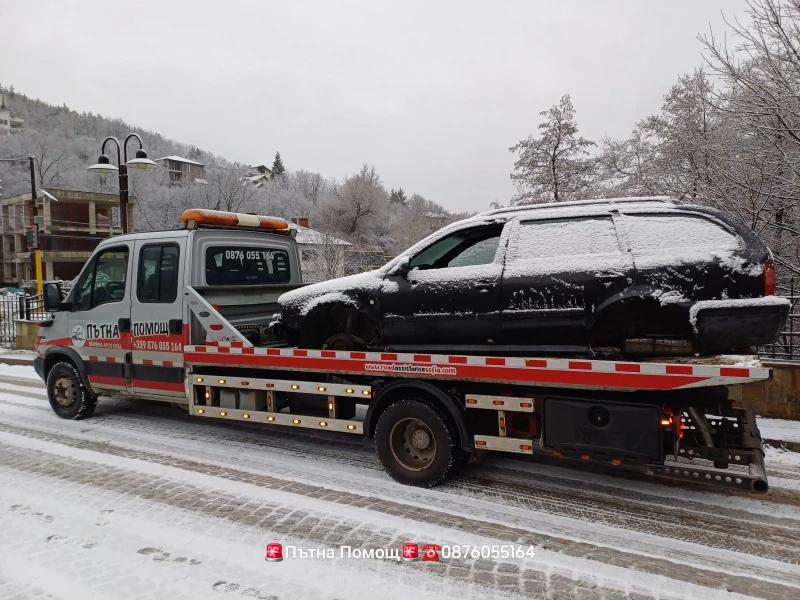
pixel 274 552
pixel 410 552
pixel 430 552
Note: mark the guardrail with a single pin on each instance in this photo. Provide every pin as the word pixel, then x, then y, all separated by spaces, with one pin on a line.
pixel 14 307
pixel 787 346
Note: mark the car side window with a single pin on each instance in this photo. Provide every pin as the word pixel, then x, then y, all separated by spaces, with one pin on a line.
pixel 480 253
pixel 557 238
pixel 460 249
pixel 104 279
pixel 656 233
pixel 158 273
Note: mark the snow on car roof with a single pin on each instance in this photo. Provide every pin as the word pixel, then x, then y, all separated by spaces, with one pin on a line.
pixel 526 207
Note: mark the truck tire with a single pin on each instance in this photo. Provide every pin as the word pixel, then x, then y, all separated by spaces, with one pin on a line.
pixel 416 444
pixel 68 397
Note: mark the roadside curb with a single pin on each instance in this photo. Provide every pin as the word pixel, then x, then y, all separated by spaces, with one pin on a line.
pixel 17 361
pixel 781 445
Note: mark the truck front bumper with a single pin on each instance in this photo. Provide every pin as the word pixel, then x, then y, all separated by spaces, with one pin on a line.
pixel 38 366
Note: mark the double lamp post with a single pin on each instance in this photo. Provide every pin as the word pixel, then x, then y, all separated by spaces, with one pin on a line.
pixel 105 167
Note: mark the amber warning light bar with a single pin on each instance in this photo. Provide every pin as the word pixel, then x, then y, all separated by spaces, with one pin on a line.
pixel 201 217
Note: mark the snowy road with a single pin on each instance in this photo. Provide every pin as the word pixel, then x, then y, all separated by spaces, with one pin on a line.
pixel 140 501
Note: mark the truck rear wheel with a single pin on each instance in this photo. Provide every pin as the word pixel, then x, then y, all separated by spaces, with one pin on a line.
pixel 415 443
pixel 68 397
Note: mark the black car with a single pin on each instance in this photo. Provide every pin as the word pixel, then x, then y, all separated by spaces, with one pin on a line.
pixel 639 276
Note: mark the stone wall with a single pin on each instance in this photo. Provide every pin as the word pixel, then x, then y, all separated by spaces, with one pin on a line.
pixel 778 397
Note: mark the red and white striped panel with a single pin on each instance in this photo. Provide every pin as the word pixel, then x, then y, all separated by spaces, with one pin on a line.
pixel 109 359
pixel 556 372
pixel 157 363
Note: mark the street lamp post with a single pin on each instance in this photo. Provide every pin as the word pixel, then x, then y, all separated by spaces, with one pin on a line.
pixel 104 167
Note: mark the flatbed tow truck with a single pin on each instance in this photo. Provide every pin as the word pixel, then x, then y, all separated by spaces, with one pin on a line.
pixel 146 319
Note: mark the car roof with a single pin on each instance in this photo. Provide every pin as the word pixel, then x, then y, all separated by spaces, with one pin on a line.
pixel 513 211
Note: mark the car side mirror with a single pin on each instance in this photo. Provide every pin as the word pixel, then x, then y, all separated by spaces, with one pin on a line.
pixel 51 297
pixel 402 267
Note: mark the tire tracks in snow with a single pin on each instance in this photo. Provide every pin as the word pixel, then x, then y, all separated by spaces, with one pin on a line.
pixel 656 565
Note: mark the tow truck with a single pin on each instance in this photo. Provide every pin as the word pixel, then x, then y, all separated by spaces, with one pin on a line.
pixel 182 316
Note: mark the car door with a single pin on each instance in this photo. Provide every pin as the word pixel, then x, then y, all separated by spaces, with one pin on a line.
pixel 448 299
pixel 157 319
pixel 556 272
pixel 101 303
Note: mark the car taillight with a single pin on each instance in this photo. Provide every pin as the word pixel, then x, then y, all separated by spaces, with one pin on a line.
pixel 770 278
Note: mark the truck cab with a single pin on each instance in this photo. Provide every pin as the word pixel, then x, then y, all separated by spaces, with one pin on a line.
pixel 124 324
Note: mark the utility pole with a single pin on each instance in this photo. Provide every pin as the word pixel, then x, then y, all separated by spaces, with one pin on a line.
pixel 35 243
pixel 37 252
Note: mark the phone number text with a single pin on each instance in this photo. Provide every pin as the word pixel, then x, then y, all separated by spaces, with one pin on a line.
pixel 486 551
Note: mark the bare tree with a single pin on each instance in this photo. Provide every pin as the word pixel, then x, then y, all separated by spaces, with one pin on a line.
pixel 553 166
pixel 356 203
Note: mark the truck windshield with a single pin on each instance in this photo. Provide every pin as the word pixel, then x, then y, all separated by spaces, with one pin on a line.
pixel 242 265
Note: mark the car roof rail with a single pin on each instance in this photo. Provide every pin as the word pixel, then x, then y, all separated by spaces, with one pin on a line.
pixel 526 207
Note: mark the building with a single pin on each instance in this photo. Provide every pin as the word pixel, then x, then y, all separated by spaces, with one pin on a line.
pixel 183 170
pixel 322 256
pixel 9 121
pixel 70 230
pixel 258 175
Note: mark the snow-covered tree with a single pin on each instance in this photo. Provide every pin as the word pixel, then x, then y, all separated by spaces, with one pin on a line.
pixel 555 165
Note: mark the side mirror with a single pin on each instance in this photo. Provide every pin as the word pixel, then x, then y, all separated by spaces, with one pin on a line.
pixel 402 267
pixel 51 297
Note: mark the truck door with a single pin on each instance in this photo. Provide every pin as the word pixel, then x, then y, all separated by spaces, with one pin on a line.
pixel 98 323
pixel 157 319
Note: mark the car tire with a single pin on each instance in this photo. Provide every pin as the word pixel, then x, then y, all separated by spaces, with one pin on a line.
pixel 69 398
pixel 416 444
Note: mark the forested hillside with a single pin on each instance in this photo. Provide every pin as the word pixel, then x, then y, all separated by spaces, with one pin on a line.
pixel 356 207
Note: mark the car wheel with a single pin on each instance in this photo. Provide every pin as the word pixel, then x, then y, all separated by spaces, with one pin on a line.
pixel 68 397
pixel 343 341
pixel 416 444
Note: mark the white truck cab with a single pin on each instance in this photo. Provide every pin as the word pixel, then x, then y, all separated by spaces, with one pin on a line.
pixel 125 322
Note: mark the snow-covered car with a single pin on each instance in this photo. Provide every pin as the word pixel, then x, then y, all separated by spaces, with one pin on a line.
pixel 644 276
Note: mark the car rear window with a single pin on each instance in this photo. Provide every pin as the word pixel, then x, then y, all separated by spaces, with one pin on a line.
pixel 242 265
pixel 654 234
pixel 564 237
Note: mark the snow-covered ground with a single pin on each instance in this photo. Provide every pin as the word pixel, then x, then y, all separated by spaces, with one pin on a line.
pixel 779 429
pixel 141 501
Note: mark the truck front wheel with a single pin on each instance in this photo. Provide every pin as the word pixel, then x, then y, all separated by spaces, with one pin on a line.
pixel 68 397
pixel 415 443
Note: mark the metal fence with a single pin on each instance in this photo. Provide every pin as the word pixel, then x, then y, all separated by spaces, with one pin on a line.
pixel 19 306
pixel 787 347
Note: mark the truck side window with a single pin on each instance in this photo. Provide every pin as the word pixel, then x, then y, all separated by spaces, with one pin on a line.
pixel 103 280
pixel 158 273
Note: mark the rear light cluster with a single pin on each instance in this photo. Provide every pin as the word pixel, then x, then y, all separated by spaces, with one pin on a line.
pixel 770 278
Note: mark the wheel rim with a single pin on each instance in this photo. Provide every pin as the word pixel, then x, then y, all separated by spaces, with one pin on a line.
pixel 65 392
pixel 412 444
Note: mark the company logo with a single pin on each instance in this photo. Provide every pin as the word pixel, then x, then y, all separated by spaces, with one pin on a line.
pixel 410 552
pixel 274 552
pixel 78 336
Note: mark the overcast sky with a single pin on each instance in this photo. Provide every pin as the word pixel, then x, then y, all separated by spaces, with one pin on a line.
pixel 431 93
